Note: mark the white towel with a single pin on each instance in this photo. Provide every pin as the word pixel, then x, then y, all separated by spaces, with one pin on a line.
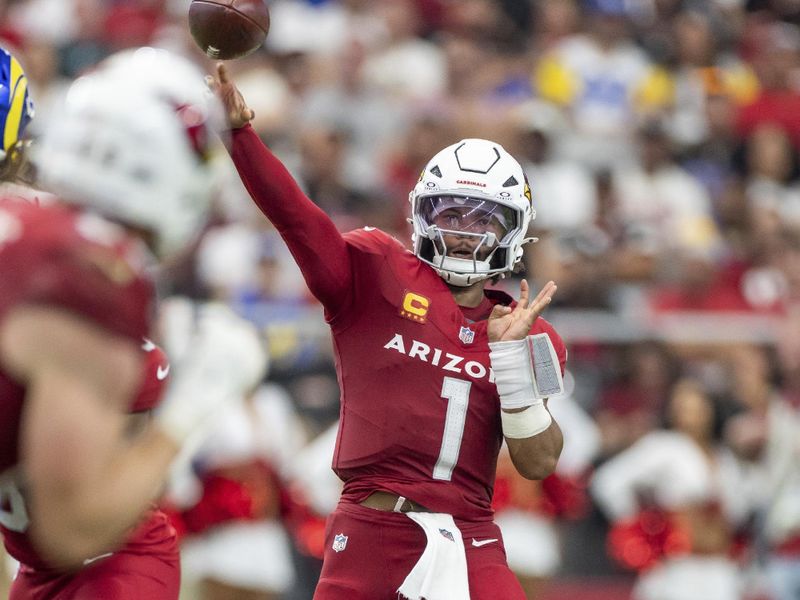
pixel 441 571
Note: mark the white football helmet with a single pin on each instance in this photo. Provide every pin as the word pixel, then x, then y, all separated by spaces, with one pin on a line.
pixel 136 148
pixel 168 74
pixel 473 190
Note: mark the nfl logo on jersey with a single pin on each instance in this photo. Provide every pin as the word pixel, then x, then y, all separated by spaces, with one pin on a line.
pixel 339 542
pixel 466 335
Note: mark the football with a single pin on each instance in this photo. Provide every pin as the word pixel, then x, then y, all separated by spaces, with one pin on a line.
pixel 228 29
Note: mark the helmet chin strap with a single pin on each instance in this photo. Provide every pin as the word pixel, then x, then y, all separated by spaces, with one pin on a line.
pixel 460 280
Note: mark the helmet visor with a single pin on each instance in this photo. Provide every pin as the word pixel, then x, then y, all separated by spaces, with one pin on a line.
pixel 469 215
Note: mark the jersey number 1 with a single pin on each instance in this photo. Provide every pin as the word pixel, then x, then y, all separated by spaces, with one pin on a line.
pixel 456 392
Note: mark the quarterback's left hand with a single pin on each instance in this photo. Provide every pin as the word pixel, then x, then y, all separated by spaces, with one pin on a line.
pixel 507 324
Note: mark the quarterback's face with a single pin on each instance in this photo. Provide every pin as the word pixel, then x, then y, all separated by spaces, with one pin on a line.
pixel 461 219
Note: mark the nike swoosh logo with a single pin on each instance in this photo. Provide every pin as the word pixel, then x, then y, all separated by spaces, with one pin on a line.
pixel 478 544
pixel 368 228
pixel 162 372
pixel 89 561
pixel 148 345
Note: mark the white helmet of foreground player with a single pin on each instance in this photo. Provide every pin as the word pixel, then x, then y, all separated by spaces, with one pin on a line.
pixel 136 151
pixel 166 73
pixel 470 211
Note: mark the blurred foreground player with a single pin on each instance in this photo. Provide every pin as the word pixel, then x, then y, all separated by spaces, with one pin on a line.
pixel 434 369
pixel 16 112
pixel 78 471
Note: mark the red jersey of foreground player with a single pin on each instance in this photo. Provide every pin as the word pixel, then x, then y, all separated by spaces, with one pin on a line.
pixel 104 283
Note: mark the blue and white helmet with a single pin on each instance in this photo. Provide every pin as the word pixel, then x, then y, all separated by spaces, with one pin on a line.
pixel 135 148
pixel 16 108
pixel 487 185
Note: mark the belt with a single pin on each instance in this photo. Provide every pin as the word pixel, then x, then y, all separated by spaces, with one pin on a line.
pixel 386 501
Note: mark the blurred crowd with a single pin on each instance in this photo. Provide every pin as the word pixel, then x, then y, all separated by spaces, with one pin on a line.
pixel 662 142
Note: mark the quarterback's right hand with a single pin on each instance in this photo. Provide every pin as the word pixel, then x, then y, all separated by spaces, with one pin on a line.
pixel 237 112
pixel 506 324
pixel 224 360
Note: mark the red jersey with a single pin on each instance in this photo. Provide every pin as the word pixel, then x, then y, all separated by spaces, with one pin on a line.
pixel 420 413
pixel 58 256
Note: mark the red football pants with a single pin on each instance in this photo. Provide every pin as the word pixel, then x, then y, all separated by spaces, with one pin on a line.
pixel 383 547
pixel 122 576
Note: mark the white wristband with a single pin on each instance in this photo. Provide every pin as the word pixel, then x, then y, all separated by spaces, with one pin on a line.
pixel 513 372
pixel 530 422
pixel 526 371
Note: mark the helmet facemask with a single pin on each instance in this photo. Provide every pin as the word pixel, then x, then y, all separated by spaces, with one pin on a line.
pixel 465 235
pixel 14 164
